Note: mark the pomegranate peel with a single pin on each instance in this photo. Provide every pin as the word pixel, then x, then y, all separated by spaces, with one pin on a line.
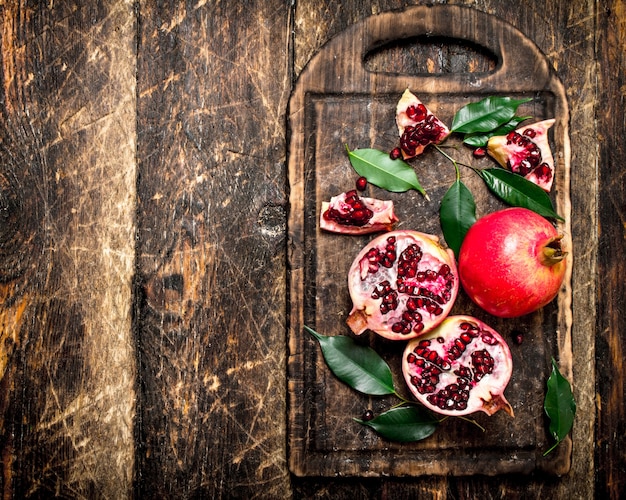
pixel 349 213
pixel 461 367
pixel 402 284
pixel 526 151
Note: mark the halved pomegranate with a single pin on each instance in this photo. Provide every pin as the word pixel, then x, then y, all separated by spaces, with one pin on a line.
pixel 349 213
pixel 526 151
pixel 461 367
pixel 417 126
pixel 402 284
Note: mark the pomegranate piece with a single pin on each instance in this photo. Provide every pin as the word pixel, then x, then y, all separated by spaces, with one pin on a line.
pixel 526 152
pixel 512 262
pixel 402 284
pixel 417 126
pixel 460 367
pixel 349 213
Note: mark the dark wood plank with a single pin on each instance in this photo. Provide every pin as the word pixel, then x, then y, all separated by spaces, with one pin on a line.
pixel 214 79
pixel 67 181
pixel 610 341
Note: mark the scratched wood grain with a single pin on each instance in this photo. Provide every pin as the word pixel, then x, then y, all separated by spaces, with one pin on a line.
pixel 611 251
pixel 213 83
pixel 67 198
pixel 66 250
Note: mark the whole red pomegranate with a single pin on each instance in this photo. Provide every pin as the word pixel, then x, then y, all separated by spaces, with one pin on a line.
pixel 402 284
pixel 511 262
pixel 460 367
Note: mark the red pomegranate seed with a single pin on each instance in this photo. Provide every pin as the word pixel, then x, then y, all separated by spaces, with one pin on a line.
pixel 480 152
pixel 395 153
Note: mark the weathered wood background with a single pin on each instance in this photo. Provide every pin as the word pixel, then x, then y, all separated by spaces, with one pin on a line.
pixel 143 209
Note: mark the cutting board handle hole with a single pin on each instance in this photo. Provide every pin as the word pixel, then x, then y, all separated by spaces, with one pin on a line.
pixel 428 55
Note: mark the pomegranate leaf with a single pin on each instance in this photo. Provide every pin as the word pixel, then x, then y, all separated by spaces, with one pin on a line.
pixel 559 405
pixel 480 139
pixel 519 192
pixel 485 115
pixel 404 424
pixel 359 366
pixel 456 214
pixel 379 169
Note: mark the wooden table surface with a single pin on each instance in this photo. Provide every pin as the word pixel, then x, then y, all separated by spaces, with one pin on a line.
pixel 143 247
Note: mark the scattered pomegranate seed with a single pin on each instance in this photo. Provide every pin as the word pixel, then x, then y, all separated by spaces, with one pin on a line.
pixel 367 416
pixel 480 152
pixel 395 153
pixel 518 337
pixel 361 183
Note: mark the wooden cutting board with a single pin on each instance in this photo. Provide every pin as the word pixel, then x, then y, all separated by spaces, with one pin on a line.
pixel 347 96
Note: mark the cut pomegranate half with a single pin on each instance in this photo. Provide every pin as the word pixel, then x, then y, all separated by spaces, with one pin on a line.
pixel 460 367
pixel 402 284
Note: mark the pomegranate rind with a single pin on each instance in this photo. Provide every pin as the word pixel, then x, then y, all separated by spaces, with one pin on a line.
pixel 403 120
pixel 509 155
pixel 486 394
pixel 383 218
pixel 365 313
pixel 502 265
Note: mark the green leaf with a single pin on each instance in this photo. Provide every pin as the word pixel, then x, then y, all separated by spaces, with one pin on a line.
pixel 405 424
pixel 379 169
pixel 480 139
pixel 477 140
pixel 358 366
pixel 456 214
pixel 518 191
pixel 559 405
pixel 485 115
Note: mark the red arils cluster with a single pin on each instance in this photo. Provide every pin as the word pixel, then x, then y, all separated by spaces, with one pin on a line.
pixel 424 132
pixel 348 213
pixel 417 127
pixel 460 367
pixel 532 159
pixel 402 284
pixel 453 396
pixel 483 364
pixel 527 152
pixel 417 113
pixel 354 212
pixel 382 256
pixel 427 289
